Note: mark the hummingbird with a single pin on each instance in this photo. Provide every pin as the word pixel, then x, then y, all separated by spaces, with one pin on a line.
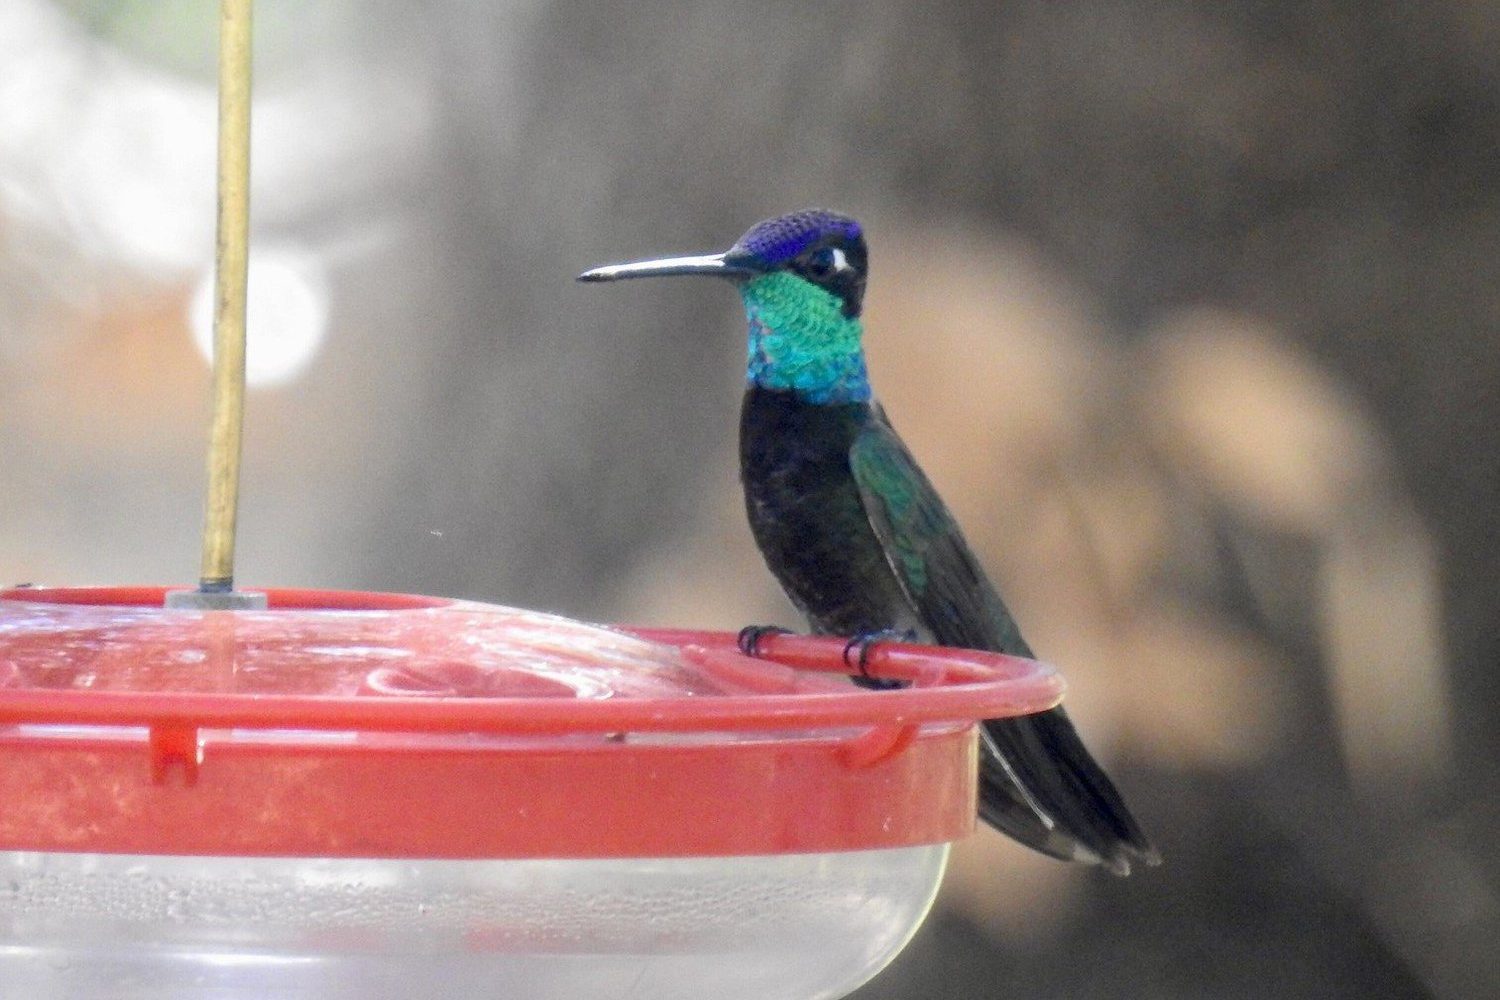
pixel 856 534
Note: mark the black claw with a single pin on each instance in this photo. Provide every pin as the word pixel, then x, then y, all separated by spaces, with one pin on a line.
pixel 751 635
pixel 867 641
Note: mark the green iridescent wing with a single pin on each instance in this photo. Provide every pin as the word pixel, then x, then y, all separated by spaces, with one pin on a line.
pixel 1037 782
pixel 924 547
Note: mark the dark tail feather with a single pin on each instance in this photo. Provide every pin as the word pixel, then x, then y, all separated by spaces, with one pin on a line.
pixel 1035 769
pixel 1002 807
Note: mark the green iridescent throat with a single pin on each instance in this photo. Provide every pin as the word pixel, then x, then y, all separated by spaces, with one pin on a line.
pixel 800 340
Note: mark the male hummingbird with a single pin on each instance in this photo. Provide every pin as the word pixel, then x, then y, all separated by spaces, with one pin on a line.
pixel 855 532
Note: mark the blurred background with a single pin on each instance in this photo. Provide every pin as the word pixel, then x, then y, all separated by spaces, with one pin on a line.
pixel 1191 312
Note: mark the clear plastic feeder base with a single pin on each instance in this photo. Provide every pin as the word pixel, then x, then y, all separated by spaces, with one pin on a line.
pixel 776 927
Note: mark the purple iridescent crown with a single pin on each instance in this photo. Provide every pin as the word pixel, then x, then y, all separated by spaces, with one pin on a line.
pixel 775 241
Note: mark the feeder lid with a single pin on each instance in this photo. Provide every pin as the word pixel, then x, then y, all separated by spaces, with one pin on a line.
pixel 382 725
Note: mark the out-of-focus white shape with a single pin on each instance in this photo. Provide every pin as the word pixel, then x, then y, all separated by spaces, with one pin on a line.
pixel 120 195
pixel 286 315
pixel 117 155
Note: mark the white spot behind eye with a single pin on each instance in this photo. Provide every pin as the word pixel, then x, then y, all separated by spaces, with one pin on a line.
pixel 840 262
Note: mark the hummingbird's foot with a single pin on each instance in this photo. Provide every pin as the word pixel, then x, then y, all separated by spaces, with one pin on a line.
pixel 866 641
pixel 751 635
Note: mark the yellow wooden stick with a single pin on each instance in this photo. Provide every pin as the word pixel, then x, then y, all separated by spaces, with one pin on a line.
pixel 231 266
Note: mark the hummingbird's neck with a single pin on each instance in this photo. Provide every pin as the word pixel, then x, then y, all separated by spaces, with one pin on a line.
pixel 801 341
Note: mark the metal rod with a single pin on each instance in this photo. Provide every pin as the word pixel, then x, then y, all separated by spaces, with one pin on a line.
pixel 231 272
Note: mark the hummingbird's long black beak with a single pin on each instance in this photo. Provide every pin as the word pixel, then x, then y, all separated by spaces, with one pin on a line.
pixel 716 263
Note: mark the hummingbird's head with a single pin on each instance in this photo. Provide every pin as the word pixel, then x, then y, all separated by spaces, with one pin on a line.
pixel 802 279
pixel 822 248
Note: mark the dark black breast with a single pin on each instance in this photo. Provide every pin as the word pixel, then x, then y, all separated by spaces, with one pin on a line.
pixel 806 514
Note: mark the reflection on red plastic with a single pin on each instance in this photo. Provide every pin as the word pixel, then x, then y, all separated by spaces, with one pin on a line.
pixel 433 737
pixel 456 679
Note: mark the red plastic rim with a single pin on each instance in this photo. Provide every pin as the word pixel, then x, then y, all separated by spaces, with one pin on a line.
pixel 802 762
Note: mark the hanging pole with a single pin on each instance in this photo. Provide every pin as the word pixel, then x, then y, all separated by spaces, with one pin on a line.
pixel 231 273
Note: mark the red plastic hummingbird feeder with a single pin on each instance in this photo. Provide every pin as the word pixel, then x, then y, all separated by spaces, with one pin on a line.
pixel 356 795
pixel 345 792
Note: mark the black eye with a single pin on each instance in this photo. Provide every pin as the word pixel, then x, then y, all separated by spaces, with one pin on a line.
pixel 822 263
